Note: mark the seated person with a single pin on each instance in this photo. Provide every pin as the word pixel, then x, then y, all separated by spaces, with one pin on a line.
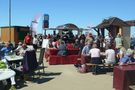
pixel 23 50
pixel 18 48
pixel 69 45
pixel 110 55
pixel 95 54
pixel 120 52
pixel 6 50
pixel 62 49
pixel 128 58
pixel 85 58
pixel 11 45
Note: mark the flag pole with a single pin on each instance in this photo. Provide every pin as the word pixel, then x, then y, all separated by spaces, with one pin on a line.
pixel 10 20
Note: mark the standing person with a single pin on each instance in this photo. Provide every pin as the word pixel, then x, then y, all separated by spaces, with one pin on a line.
pixel 89 38
pixel 40 40
pixel 118 41
pixel 28 39
pixel 35 42
pixel 108 40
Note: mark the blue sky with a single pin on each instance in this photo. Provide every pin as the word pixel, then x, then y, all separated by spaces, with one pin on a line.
pixel 83 13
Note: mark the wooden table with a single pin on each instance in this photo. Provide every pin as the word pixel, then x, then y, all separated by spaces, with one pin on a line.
pixel 124 76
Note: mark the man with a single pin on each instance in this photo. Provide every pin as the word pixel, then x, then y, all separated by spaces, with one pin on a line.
pixel 108 40
pixel 35 42
pixel 85 53
pixel 6 50
pixel 28 39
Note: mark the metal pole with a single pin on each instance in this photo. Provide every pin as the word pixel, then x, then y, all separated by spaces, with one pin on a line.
pixel 10 20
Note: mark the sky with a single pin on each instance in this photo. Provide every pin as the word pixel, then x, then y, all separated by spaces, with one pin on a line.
pixel 82 13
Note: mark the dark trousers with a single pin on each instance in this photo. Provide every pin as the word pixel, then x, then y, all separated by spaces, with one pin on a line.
pixel 96 60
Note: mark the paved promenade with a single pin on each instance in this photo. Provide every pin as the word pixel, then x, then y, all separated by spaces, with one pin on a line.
pixel 66 77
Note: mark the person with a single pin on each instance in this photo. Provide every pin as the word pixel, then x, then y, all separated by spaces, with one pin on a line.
pixel 35 42
pixel 110 55
pixel 69 45
pixel 81 45
pixel 95 54
pixel 11 45
pixel 23 50
pixel 76 44
pixel 6 50
pixel 118 41
pixel 18 48
pixel 62 49
pixel 120 52
pixel 27 39
pixel 108 40
pixel 128 57
pixel 40 40
pixel 89 38
pixel 85 58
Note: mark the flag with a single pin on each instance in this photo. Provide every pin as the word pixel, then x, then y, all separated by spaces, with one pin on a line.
pixel 34 23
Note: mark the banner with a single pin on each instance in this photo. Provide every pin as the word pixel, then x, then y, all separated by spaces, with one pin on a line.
pixel 34 23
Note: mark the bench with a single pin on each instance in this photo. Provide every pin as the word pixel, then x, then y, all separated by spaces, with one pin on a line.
pixel 94 68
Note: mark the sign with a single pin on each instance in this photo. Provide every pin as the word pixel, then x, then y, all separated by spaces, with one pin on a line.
pixel 45 43
pixel 46 17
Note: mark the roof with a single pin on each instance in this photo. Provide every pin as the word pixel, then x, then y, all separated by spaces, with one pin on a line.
pixel 68 26
pixel 131 22
pixel 113 21
pixel 15 27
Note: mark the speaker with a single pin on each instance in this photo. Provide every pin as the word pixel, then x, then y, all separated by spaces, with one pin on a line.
pixel 45 24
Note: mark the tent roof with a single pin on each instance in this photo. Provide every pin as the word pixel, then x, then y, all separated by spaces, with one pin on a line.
pixel 113 21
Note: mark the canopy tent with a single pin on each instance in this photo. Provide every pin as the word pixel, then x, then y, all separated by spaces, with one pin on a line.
pixel 68 26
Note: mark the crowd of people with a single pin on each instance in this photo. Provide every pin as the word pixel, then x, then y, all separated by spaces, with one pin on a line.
pixel 95 50
pixel 6 49
pixel 91 49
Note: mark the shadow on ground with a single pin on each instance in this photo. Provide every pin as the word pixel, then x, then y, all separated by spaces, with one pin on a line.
pixel 38 78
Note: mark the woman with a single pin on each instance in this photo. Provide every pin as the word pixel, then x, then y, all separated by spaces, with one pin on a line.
pixel 110 55
pixel 62 49
pixel 95 54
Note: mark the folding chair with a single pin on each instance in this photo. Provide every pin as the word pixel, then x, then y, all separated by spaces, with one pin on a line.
pixel 41 60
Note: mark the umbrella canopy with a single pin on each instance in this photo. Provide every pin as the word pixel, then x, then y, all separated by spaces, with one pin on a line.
pixel 68 26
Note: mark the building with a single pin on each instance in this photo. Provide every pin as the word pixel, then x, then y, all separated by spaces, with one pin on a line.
pixel 14 34
pixel 114 26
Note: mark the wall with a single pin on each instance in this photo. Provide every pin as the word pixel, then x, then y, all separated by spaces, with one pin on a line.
pixel 126 37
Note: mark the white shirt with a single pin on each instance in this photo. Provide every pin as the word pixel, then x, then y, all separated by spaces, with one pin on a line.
pixel 110 55
pixel 35 41
pixel 94 52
